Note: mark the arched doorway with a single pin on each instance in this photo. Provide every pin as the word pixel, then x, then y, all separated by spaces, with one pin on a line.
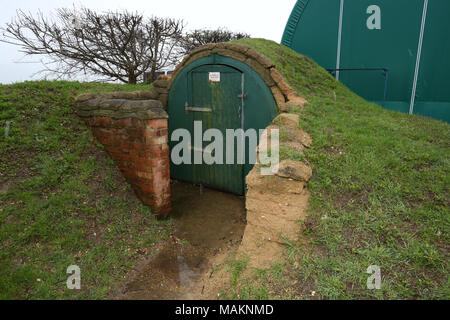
pixel 218 93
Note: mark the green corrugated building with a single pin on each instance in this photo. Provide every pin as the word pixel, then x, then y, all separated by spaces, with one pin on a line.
pixel 392 52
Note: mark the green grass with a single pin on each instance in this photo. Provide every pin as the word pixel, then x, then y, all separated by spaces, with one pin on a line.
pixel 67 204
pixel 379 196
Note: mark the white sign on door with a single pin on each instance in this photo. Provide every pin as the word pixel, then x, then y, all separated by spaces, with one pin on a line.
pixel 214 76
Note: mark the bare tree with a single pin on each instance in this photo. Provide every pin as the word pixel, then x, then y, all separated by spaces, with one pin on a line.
pixel 201 37
pixel 116 45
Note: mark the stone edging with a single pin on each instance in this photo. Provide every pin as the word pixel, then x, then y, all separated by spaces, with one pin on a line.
pixel 134 132
pixel 281 90
pixel 121 109
pixel 275 204
pixel 285 97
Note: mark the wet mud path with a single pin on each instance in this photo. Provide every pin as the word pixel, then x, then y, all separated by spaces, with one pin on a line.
pixel 209 226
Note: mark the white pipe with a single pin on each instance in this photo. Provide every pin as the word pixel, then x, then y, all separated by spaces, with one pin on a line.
pixel 341 19
pixel 419 54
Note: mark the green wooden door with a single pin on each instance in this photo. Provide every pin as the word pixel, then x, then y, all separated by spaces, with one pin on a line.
pixel 218 105
pixel 214 101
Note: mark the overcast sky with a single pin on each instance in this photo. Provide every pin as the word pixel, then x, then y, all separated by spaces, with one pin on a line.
pixel 260 18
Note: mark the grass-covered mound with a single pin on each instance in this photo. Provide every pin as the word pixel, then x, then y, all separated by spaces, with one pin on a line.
pixel 379 196
pixel 62 200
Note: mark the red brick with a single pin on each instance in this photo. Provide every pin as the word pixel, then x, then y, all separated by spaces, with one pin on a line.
pixel 151 162
pixel 144 175
pixel 101 122
pixel 163 208
pixel 143 181
pixel 122 123
pixel 156 140
pixel 137 139
pixel 133 154
pixel 121 132
pixel 157 124
pixel 103 133
pixel 160 182
pixel 120 156
pixel 149 202
pixel 151 133
pixel 137 123
pixel 126 164
pixel 154 154
pixel 146 188
pixel 133 132
pixel 163 132
pixel 141 151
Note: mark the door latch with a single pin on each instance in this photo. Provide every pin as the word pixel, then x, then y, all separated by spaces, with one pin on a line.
pixel 196 109
pixel 242 96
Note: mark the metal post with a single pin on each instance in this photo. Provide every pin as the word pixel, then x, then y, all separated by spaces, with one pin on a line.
pixel 243 116
pixel 341 19
pixel 386 75
pixel 419 54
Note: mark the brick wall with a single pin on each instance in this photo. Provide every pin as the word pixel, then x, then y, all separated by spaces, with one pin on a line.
pixel 135 135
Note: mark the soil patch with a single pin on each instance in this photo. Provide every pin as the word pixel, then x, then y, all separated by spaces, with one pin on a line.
pixel 209 226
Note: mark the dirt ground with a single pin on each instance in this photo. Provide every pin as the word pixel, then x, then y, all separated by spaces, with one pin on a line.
pixel 212 226
pixel 209 226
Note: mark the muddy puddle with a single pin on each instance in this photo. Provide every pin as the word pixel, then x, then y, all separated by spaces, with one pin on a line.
pixel 209 226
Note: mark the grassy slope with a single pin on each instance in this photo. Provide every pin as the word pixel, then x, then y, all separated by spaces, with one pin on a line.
pixel 68 203
pixel 379 196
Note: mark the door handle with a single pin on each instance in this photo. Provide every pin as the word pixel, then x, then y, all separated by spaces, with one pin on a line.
pixel 196 109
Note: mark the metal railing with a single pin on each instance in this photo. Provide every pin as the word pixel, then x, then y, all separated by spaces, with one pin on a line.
pixel 385 72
